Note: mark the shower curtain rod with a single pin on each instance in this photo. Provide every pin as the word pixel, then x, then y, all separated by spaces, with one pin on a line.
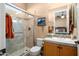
pixel 19 9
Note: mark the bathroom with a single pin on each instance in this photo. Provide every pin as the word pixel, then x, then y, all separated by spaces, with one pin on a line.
pixel 39 29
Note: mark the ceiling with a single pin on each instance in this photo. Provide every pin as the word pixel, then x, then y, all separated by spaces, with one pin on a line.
pixel 42 9
pixel 39 9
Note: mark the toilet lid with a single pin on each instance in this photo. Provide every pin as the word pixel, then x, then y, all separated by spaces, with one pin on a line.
pixel 35 49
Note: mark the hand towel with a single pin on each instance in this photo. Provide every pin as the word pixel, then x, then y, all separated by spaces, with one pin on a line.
pixel 9 31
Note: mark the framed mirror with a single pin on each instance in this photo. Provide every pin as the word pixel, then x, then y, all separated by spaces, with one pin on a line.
pixel 61 21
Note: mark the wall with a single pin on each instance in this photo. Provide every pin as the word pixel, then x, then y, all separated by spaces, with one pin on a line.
pixel 2 27
pixel 29 34
pixel 77 10
pixel 44 10
pixel 41 31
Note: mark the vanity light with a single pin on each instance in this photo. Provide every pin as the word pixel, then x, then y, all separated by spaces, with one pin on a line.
pixel 62 16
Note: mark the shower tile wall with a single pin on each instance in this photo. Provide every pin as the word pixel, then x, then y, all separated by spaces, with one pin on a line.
pixel 15 44
pixel 29 35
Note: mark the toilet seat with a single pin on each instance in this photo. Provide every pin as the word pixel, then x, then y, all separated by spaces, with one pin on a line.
pixel 35 49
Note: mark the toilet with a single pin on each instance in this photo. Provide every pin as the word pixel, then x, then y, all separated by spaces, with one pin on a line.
pixel 34 51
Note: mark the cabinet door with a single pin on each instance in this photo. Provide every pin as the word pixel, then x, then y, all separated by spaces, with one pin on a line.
pixel 68 51
pixel 50 49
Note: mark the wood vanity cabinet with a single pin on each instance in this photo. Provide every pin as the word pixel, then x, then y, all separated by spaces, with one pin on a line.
pixel 52 49
pixel 68 51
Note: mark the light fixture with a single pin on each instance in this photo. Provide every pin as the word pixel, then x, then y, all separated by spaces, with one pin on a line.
pixel 62 16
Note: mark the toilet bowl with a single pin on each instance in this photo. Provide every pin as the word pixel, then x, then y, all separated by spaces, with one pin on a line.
pixel 34 51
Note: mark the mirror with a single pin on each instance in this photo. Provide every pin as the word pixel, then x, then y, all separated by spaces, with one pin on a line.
pixel 65 20
pixel 61 23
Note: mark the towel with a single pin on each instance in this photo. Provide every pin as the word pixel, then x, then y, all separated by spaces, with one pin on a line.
pixel 9 31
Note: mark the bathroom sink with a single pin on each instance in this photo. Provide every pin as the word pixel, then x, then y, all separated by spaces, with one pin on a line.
pixel 61 40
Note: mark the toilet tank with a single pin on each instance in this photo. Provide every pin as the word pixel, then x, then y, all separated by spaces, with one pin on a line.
pixel 39 42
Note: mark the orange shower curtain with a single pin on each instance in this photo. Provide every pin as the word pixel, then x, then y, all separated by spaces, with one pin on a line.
pixel 9 31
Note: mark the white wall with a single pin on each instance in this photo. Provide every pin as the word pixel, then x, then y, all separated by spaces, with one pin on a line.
pixel 78 19
pixel 2 27
pixel 78 24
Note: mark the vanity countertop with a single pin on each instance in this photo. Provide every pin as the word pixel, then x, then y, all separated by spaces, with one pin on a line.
pixel 58 40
